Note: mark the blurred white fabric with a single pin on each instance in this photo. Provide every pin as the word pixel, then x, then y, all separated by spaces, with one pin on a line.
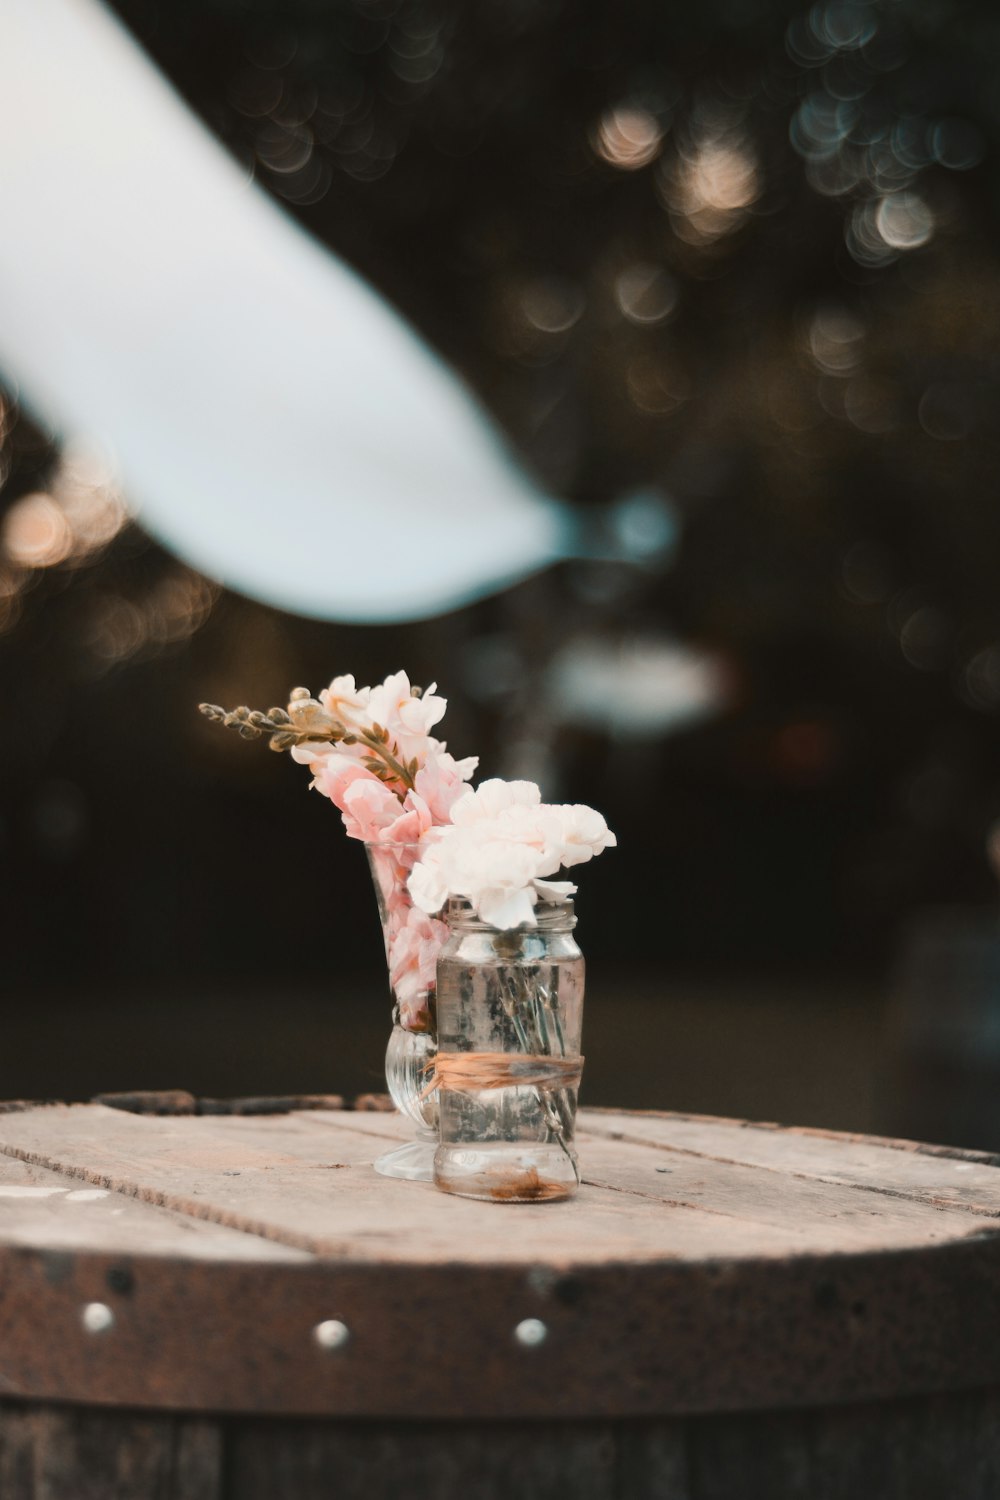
pixel 273 421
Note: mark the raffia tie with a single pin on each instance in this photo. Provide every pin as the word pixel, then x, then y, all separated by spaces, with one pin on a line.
pixel 472 1072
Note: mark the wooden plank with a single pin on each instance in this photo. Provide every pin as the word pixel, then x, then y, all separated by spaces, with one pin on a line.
pixel 941 1447
pixel 653 1461
pixel 958 1179
pixel 71 1453
pixel 52 1210
pixel 926 1448
pixel 425 1461
pixel 805 1213
pixel 312 1186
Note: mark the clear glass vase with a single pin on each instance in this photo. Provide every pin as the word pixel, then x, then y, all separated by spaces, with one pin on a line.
pixel 412 943
pixel 509 1018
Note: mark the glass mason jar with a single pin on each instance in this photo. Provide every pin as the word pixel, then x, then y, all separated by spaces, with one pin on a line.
pixel 411 945
pixel 509 1017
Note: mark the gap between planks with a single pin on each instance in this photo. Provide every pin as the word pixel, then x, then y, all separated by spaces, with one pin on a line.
pixel 907 1147
pixel 928 1199
pixel 190 1207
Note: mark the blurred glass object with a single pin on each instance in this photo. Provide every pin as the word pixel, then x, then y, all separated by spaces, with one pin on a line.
pixel 272 420
pixel 646 686
pixel 645 527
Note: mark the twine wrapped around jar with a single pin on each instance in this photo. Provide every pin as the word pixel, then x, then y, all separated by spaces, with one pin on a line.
pixel 471 1072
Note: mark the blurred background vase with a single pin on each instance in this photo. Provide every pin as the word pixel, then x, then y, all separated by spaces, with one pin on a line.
pixel 410 1054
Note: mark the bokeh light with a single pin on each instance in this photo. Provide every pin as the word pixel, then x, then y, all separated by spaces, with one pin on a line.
pixel 628 137
pixel 80 513
pixel 646 293
pixel 36 533
pixel 710 185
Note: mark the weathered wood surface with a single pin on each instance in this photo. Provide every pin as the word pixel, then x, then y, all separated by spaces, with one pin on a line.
pixel 944 1447
pixel 78 1453
pixel 705 1266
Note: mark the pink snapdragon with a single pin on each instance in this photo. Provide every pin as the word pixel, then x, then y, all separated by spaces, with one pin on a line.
pixel 413 955
pixel 368 807
pixel 385 727
pixel 395 785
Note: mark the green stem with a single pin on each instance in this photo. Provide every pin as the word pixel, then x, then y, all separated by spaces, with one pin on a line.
pixel 399 771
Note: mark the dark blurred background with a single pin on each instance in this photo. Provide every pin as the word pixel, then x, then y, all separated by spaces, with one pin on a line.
pixel 727 276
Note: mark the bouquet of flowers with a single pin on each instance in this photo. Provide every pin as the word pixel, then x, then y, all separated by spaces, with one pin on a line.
pixel 371 752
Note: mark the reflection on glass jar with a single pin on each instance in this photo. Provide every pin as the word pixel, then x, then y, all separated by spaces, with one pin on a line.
pixel 510 1012
pixel 412 943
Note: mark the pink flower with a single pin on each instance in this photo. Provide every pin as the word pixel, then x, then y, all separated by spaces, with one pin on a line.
pixel 366 803
pixel 441 782
pixel 391 865
pixel 407 719
pixel 373 811
pixel 335 773
pixel 315 754
pixel 369 807
pixel 411 824
pixel 413 955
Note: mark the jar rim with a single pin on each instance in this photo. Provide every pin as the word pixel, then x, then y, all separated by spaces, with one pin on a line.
pixel 550 916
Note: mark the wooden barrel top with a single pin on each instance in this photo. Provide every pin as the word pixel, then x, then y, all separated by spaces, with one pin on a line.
pixel 256 1263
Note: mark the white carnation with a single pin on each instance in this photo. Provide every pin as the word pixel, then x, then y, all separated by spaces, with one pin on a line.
pixel 584 833
pixel 502 844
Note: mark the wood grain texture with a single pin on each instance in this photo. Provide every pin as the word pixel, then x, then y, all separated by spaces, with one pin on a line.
pixel 734 1312
pixel 50 1453
pixel 927 1448
pixel 425 1461
pixel 44 1209
pixel 705 1266
pixel 936 1175
pixel 726 1197
pixel 944 1447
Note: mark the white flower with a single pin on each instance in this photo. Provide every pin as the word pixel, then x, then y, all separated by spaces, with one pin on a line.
pixel 408 720
pixel 495 874
pixel 584 833
pixel 428 882
pixel 346 702
pixel 502 844
pixel 555 890
pixel 493 797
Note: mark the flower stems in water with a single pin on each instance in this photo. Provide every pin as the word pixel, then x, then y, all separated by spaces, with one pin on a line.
pixel 527 1002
